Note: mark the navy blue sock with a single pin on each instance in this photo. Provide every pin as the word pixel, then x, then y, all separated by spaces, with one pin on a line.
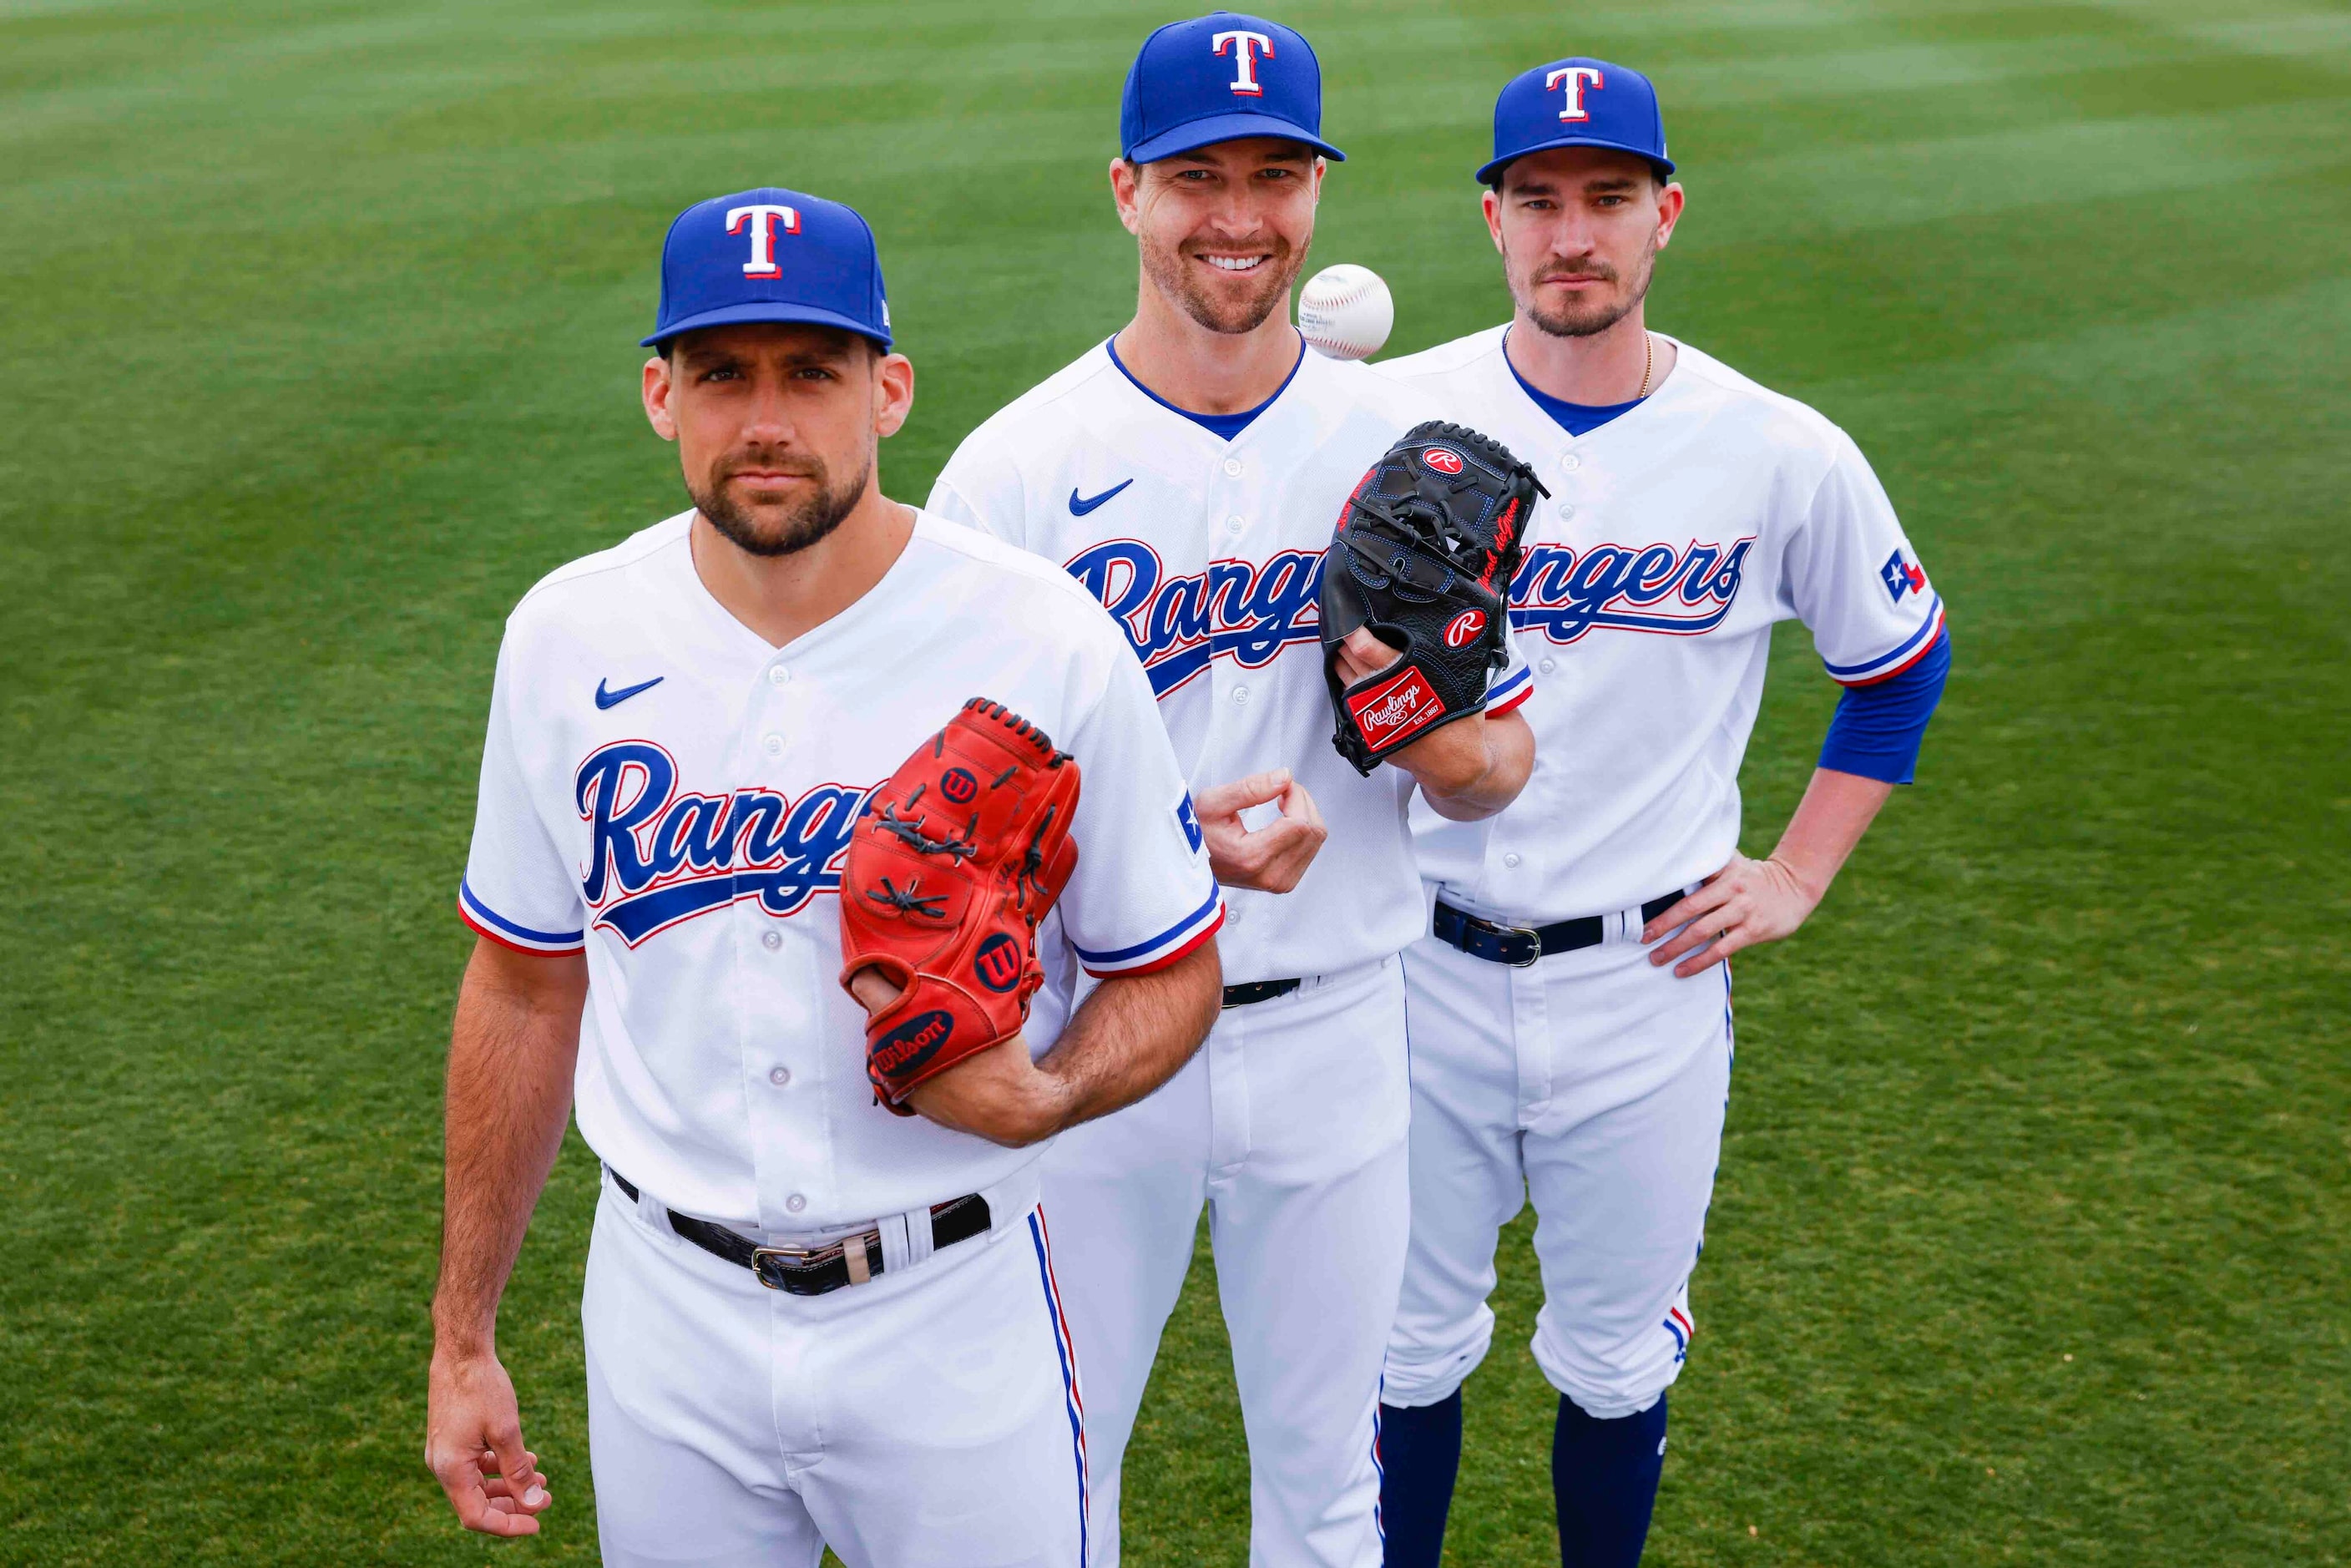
pixel 1605 1477
pixel 1420 1453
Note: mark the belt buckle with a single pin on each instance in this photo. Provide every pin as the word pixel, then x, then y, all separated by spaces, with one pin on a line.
pixel 1517 945
pixel 768 1263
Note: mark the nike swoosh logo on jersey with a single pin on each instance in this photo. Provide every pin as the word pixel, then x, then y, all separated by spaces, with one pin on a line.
pixel 614 699
pixel 1081 505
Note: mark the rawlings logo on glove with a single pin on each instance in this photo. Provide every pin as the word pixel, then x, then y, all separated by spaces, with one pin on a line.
pixel 960 854
pixel 1426 548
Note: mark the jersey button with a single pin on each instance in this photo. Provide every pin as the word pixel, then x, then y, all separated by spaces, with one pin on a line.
pixel 1234 525
pixel 773 745
pixel 796 1203
pixel 771 940
pixel 778 675
pixel 1547 666
pixel 1510 861
pixel 1569 462
pixel 779 1076
pixel 1240 694
pixel 1232 467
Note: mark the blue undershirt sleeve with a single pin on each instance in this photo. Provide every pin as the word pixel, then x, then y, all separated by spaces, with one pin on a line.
pixel 1877 728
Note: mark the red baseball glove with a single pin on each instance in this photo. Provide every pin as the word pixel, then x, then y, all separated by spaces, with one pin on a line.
pixel 958 858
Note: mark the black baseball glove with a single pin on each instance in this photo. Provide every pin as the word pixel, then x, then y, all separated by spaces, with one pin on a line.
pixel 1426 550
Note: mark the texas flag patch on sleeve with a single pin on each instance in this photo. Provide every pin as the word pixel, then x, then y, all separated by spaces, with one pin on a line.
pixel 1901 575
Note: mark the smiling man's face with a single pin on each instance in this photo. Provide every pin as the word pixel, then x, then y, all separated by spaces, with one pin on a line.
pixel 1224 229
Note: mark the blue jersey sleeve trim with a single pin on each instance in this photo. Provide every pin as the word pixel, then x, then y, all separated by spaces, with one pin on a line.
pixel 1509 684
pixel 483 912
pixel 1926 628
pixel 1878 728
pixel 1091 959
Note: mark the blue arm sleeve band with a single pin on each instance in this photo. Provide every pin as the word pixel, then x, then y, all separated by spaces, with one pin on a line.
pixel 1877 728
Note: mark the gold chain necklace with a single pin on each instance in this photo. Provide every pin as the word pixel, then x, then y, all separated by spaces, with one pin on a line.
pixel 1648 364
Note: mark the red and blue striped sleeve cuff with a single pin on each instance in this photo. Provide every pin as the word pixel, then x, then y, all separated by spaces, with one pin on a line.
pixel 1179 940
pixel 1887 665
pixel 1510 690
pixel 506 933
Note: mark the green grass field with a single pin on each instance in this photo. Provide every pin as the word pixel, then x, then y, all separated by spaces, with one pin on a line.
pixel 317 327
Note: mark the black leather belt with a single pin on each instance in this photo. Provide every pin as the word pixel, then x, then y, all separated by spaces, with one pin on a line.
pixel 1259 991
pixel 815 1270
pixel 1520 945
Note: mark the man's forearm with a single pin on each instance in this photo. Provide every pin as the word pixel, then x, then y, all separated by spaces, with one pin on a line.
pixel 509 1097
pixel 1510 759
pixel 1133 1035
pixel 1834 813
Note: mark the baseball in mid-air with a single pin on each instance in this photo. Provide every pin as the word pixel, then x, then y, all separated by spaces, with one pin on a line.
pixel 1345 311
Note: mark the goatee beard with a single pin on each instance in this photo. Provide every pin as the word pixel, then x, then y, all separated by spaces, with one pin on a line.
pixel 1590 320
pixel 809 523
pixel 1169 271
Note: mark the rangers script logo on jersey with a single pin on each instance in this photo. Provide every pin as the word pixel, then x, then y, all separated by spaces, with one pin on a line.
pixel 1235 610
pixel 657 857
pixel 1682 592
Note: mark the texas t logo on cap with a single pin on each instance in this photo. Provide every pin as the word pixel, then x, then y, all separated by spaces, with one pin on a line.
pixel 770 254
pixel 1245 49
pixel 1577 103
pixel 1576 78
pixel 1220 78
pixel 763 220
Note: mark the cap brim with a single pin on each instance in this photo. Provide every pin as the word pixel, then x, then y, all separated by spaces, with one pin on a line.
pixel 1218 128
pixel 1486 175
pixel 778 310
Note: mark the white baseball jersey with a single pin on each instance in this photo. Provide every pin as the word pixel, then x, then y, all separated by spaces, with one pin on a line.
pixel 1208 554
pixel 1674 537
pixel 662 788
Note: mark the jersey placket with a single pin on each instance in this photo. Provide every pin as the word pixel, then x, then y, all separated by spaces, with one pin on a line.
pixel 1235 692
pixel 781 1027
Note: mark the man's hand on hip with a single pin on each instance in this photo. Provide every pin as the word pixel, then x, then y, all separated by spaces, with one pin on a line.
pixel 1744 904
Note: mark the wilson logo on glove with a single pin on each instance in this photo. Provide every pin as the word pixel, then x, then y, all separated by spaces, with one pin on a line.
pixel 1463 629
pixel 998 962
pixel 1444 459
pixel 960 853
pixel 912 1043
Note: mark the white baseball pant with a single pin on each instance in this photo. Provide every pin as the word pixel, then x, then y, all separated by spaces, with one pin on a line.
pixel 1596 1082
pixel 929 1418
pixel 1290 1126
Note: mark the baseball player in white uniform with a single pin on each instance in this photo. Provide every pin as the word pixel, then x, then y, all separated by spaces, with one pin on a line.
pixel 807 1320
pixel 1190 472
pixel 1570 1015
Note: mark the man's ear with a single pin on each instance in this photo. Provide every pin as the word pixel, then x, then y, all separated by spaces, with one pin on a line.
pixel 894 393
pixel 1126 191
pixel 658 386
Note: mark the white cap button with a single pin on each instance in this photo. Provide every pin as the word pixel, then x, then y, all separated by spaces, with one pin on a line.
pixel 1567 508
pixel 1240 694
pixel 796 1203
pixel 1234 523
pixel 1232 467
pixel 1570 463
pixel 1547 666
pixel 777 675
pixel 779 1076
pixel 771 940
pixel 1511 861
pixel 773 745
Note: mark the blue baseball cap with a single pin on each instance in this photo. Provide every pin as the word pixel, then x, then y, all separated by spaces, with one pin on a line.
pixel 770 254
pixel 1219 78
pixel 1577 103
